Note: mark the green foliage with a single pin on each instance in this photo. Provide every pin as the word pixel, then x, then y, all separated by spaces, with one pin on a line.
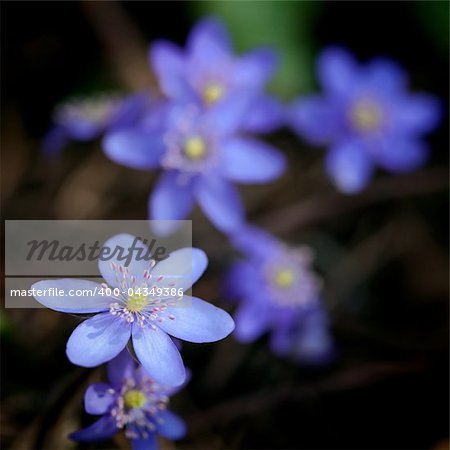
pixel 435 18
pixel 285 25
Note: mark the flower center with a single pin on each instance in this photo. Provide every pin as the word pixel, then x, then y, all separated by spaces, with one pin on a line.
pixel 195 148
pixel 366 115
pixel 212 93
pixel 134 399
pixel 136 302
pixel 284 278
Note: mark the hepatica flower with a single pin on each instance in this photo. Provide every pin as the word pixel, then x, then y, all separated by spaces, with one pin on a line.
pixel 131 401
pixel 201 156
pixel 147 303
pixel 87 118
pixel 212 96
pixel 207 71
pixel 367 117
pixel 278 292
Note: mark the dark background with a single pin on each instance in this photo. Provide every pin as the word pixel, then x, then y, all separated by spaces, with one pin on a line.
pixel 383 254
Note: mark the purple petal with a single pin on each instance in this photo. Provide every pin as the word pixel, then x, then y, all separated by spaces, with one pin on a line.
pixel 314 346
pixel 252 320
pixel 168 63
pixel 169 201
pixel 98 398
pixel 220 201
pixel 399 155
pixel 265 115
pixel 84 129
pixel 120 368
pixel 71 303
pixel 131 109
pixel 54 141
pixel 247 160
pixel 158 355
pixel 134 148
pixel 182 268
pixel 228 116
pixel 150 443
pixel 315 119
pixel 281 341
pixel 349 166
pixel 255 242
pixel 238 280
pixel 208 43
pixel 170 425
pixel 123 250
pixel 338 71
pixel 386 75
pixel 416 114
pixel 104 428
pixel 255 69
pixel 97 340
pixel 195 320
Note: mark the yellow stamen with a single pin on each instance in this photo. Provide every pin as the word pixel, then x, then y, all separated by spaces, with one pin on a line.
pixel 212 93
pixel 136 302
pixel 134 399
pixel 366 115
pixel 284 278
pixel 195 148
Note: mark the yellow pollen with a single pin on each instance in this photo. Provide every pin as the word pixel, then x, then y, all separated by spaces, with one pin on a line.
pixel 212 93
pixel 284 278
pixel 134 399
pixel 136 302
pixel 365 116
pixel 195 148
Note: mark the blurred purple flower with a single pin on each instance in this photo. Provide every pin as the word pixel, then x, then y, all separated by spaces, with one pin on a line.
pixel 208 72
pixel 134 311
pixel 85 119
pixel 278 293
pixel 131 401
pixel 201 155
pixel 367 117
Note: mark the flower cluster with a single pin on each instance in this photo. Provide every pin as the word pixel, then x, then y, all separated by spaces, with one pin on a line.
pixel 199 133
pixel 125 307
pixel 199 136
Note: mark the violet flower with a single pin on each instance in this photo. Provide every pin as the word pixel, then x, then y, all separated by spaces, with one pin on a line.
pixel 278 292
pixel 86 118
pixel 367 117
pixel 131 401
pixel 201 155
pixel 147 303
pixel 208 72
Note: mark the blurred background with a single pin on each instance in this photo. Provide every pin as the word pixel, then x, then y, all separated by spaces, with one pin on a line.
pixel 383 254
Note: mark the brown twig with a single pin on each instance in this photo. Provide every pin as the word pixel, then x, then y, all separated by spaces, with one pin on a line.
pixel 124 45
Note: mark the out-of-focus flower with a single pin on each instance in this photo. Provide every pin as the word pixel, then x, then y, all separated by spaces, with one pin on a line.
pixel 131 401
pixel 367 117
pixel 208 72
pixel 146 302
pixel 87 118
pixel 278 292
pixel 201 155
